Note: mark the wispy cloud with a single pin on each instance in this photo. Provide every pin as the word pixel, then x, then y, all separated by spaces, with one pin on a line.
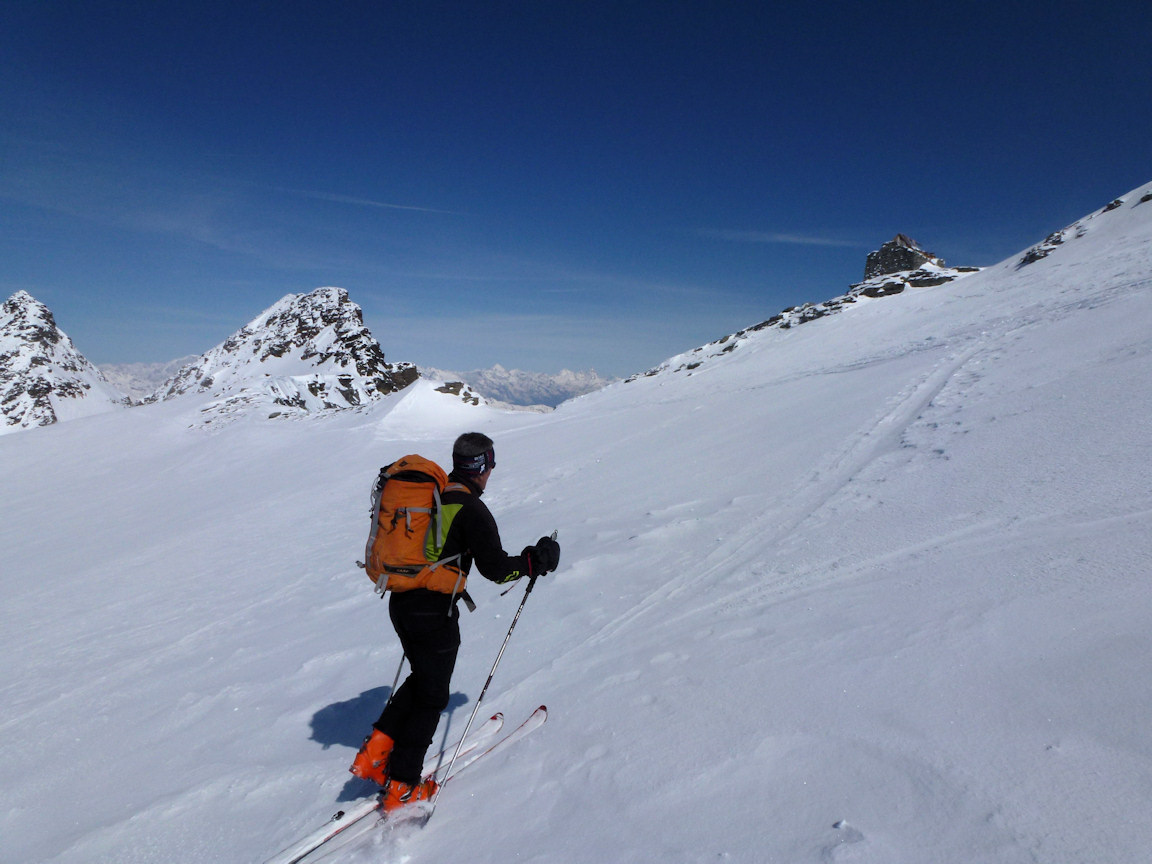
pixel 771 237
pixel 366 202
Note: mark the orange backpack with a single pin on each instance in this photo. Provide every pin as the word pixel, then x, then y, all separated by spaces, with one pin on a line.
pixel 408 533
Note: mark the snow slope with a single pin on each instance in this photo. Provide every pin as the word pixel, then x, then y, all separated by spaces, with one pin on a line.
pixel 870 589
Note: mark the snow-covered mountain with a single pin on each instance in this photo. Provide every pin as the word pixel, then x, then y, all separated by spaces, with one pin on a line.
pixel 873 589
pixel 139 380
pixel 882 278
pixel 43 378
pixel 518 387
pixel 307 352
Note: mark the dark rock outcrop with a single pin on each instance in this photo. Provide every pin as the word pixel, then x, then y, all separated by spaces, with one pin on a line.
pixel 898 255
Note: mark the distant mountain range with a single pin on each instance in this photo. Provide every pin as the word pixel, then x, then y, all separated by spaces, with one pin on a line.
pixel 311 353
pixel 139 380
pixel 517 387
pixel 509 386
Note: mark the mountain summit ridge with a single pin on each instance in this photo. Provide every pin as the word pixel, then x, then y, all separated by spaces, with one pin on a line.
pixel 896 266
pixel 312 352
pixel 925 271
pixel 306 352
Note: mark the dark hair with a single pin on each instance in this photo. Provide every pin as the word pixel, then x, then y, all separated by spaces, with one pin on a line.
pixel 473 454
pixel 471 444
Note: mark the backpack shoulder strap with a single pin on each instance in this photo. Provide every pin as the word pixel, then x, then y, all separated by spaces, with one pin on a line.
pixel 455 486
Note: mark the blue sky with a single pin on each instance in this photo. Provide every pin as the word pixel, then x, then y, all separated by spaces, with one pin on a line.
pixel 538 184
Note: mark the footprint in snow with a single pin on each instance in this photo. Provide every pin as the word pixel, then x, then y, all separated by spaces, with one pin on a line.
pixel 847 845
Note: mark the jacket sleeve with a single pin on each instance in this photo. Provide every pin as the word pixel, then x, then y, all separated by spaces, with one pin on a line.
pixel 482 539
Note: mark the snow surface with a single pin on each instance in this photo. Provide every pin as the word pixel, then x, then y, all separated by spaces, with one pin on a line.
pixel 874 589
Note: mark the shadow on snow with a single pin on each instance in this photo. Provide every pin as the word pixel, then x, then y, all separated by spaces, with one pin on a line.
pixel 347 723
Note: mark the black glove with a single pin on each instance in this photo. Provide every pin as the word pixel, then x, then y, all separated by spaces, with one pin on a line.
pixel 544 557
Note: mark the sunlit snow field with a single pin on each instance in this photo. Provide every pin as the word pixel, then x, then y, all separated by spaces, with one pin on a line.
pixel 872 589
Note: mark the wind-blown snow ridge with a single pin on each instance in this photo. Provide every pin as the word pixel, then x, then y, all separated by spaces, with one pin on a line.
pixel 43 378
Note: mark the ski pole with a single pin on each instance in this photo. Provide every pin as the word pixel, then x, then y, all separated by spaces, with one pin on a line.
pixel 484 689
pixel 396 680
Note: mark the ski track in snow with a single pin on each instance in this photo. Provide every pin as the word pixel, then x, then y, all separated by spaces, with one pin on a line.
pixel 882 438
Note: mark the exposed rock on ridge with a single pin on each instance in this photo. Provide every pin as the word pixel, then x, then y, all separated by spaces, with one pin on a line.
pixel 1073 232
pixel 43 378
pixel 899 254
pixel 926 270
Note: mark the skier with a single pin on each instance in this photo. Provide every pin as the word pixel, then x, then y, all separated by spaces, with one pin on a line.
pixel 427 622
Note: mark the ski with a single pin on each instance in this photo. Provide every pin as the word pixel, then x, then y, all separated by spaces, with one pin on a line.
pixel 535 721
pixel 435 764
pixel 344 819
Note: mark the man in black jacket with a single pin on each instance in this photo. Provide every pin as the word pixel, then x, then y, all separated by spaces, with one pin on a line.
pixel 427 622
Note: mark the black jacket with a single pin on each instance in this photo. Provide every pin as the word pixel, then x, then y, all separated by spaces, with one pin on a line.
pixel 473 535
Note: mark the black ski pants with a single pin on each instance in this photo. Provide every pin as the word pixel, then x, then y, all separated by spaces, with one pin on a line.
pixel 428 625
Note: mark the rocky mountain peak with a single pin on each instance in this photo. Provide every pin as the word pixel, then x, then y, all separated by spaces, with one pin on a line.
pixel 306 352
pixel 43 378
pixel 28 318
pixel 897 255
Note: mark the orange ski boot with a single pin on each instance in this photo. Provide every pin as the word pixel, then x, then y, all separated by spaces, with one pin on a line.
pixel 399 794
pixel 371 763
